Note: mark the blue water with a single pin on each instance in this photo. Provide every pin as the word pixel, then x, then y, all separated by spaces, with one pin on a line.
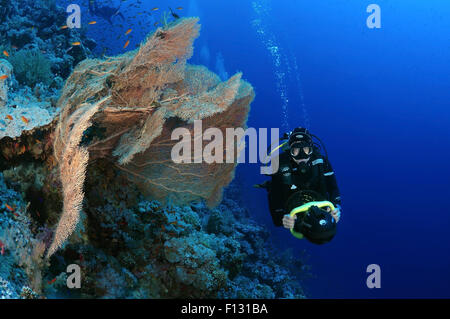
pixel 378 98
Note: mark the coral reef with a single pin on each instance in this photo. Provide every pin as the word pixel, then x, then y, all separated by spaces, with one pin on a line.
pixel 31 67
pixel 30 28
pixel 5 70
pixel 21 248
pixel 39 56
pixel 99 150
pixel 25 115
pixel 130 247
pixel 138 99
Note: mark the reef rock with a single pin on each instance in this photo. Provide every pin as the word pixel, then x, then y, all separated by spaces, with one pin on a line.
pixel 5 70
pixel 24 112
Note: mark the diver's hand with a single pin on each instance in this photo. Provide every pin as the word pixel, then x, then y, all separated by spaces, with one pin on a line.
pixel 288 221
pixel 336 213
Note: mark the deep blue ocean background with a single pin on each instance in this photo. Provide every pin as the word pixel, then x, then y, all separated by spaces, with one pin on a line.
pixel 378 98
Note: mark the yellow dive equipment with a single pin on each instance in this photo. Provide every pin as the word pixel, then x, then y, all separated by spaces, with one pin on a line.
pixel 279 146
pixel 276 148
pixel 304 208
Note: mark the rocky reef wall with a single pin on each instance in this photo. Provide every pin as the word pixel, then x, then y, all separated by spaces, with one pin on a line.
pixel 134 102
pixel 87 167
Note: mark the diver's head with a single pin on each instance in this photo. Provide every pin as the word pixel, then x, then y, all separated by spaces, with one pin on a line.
pixel 300 144
pixel 299 152
pixel 317 225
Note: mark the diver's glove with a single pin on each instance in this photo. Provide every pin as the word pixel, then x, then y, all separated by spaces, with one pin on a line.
pixel 289 221
pixel 336 213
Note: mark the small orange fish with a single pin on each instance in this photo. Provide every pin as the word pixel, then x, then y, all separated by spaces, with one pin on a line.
pixel 128 31
pixel 52 281
pixel 9 207
pixel 180 8
pixel 4 77
pixel 76 43
pixel 93 22
pixel 24 119
pixel 9 117
pixel 64 27
pixel 5 53
pixel 126 44
pixel 154 9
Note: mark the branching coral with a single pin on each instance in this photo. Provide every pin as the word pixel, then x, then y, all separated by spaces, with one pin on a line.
pixel 31 67
pixel 140 98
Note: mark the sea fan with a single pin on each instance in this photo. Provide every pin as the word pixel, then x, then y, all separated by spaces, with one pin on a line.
pixel 138 99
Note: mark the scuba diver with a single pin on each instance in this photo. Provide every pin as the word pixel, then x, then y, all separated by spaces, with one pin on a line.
pixel 303 193
pixel 104 12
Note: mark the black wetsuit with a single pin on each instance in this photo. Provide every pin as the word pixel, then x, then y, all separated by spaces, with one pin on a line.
pixel 317 175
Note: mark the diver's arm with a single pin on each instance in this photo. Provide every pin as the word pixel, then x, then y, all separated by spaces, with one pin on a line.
pixel 276 200
pixel 332 190
pixel 331 183
pixel 288 221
